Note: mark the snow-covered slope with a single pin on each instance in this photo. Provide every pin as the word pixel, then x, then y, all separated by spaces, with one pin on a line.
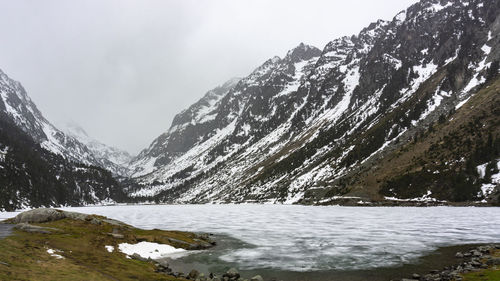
pixel 18 106
pixel 112 158
pixel 184 132
pixel 309 120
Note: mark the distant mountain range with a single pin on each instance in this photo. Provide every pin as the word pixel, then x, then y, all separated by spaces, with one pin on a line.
pixel 108 157
pixel 406 110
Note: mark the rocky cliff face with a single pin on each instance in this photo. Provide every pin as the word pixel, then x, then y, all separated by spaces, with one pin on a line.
pixel 308 125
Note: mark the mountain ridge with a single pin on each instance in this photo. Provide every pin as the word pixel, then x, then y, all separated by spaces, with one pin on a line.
pixel 287 129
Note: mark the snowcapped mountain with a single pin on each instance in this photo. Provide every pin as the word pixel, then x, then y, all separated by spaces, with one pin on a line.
pixel 18 106
pixel 113 159
pixel 311 126
pixel 74 145
pixel 200 117
pixel 40 165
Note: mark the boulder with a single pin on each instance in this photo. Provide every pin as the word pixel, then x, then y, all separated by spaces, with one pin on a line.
pixel 138 257
pixel 476 253
pixel 39 215
pixel 193 274
pixel 42 215
pixel 232 274
pixel 257 278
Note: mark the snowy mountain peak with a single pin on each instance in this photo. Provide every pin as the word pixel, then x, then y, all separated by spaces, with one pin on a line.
pixel 302 52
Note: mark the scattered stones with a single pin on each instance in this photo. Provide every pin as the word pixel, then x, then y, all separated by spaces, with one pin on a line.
pixel 163 268
pixel 473 260
pixel 476 253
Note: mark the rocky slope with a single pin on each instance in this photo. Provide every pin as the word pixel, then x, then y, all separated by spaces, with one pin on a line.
pixel 306 127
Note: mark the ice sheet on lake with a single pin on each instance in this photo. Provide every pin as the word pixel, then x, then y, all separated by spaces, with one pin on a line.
pixel 305 238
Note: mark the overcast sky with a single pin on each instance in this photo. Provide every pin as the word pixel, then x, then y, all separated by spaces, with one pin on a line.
pixel 122 69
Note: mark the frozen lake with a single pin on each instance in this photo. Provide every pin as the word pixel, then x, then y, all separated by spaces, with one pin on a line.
pixel 303 238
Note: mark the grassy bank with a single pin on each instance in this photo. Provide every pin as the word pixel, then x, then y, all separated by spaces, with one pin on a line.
pixel 83 256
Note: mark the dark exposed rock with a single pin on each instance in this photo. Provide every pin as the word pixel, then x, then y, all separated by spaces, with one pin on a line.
pixel 193 274
pixel 138 257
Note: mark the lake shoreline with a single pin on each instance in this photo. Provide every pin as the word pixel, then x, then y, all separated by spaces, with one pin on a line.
pixel 333 203
pixel 430 262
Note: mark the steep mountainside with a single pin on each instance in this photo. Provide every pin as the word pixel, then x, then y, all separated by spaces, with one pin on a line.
pixel 17 106
pixel 198 119
pixel 307 127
